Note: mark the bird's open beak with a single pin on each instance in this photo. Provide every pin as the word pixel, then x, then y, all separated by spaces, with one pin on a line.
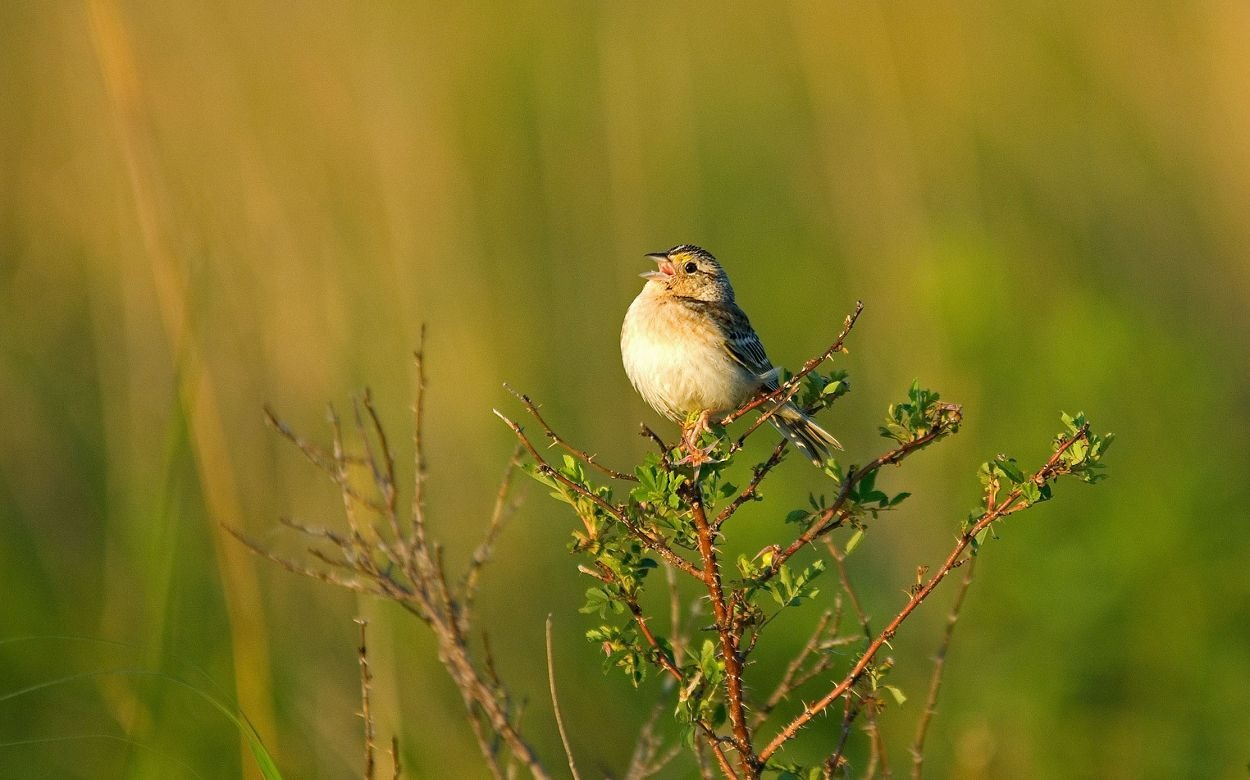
pixel 664 271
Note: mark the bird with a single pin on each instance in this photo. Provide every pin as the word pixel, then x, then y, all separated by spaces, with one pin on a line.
pixel 687 348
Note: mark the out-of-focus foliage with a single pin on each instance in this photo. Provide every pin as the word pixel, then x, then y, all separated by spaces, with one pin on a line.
pixel 204 208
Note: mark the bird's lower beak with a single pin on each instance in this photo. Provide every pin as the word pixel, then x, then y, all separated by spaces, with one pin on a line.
pixel 665 269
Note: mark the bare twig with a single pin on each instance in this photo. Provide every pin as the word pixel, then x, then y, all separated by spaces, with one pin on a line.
pixel 1007 506
pixel 366 680
pixel 751 490
pixel 559 441
pixel 792 678
pixel 418 445
pixel 498 516
pixel 939 666
pixel 652 542
pixel 555 705
pixel 844 578
pixel 834 515
pixel 647 760
pixel 406 567
pixel 646 432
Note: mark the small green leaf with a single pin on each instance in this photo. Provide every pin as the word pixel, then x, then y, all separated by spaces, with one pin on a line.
pixel 894 690
pixel 854 541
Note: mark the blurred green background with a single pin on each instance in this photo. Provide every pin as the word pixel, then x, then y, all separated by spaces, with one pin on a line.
pixel 204 209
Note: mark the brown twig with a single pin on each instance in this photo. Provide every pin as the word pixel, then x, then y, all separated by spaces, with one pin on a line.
pixel 647 433
pixel 939 666
pixel 792 678
pixel 559 441
pixel 383 559
pixel 834 515
pixel 555 705
pixel 647 760
pixel 1004 508
pixel 652 542
pixel 844 578
pixel 751 490
pixel 498 517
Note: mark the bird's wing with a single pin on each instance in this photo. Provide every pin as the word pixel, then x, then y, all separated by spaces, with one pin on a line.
pixel 744 345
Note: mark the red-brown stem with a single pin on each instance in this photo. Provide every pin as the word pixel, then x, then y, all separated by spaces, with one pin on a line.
pixel 1004 508
pixel 728 635
pixel 833 516
pixel 939 666
pixel 748 492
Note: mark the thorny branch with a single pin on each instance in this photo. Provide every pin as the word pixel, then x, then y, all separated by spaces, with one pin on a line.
pixel 1008 506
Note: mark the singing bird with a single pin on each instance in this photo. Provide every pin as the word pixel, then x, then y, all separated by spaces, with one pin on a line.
pixel 688 348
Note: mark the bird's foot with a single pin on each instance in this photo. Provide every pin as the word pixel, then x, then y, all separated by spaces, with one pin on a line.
pixel 696 456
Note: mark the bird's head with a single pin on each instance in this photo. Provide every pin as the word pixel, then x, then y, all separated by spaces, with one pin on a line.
pixel 689 271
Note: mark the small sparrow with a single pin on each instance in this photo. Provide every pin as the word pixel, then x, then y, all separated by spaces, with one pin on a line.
pixel 688 348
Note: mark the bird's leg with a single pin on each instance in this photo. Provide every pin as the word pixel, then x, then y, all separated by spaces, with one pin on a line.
pixel 696 455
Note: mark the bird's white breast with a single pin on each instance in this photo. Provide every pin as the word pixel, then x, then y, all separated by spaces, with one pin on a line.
pixel 677 359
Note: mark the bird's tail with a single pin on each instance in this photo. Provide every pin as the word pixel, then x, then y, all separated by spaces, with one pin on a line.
pixel 813 441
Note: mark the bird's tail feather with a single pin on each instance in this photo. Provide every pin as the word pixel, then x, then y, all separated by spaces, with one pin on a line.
pixel 809 438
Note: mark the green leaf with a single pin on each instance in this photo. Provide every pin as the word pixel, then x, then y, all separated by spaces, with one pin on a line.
pixel 797 516
pixel 894 690
pixel 854 541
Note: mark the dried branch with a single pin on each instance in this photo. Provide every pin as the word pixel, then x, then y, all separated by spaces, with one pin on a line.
pixel 381 555
pixel 366 679
pixel 844 579
pixel 647 760
pixel 555 705
pixel 559 441
pixel 498 517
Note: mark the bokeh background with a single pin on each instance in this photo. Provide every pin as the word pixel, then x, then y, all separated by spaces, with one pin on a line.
pixel 207 208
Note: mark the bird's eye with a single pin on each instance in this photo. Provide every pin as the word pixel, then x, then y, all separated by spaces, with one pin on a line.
pixel 691 267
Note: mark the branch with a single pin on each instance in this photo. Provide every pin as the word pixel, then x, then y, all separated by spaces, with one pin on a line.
pixel 939 666
pixel 555 704
pixel 833 516
pixel 786 388
pixel 1006 507
pixel 498 516
pixel 366 713
pixel 749 492
pixel 727 631
pixel 654 543
pixel 555 438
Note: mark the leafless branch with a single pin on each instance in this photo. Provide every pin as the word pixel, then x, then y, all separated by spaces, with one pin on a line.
pixel 366 680
pixel 939 666
pixel 559 441
pixel 555 705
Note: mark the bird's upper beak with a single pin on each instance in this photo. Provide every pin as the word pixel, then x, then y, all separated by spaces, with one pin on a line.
pixel 665 269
